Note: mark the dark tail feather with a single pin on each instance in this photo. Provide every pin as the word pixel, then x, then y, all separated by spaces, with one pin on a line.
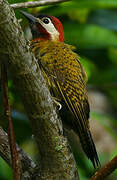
pixel 89 147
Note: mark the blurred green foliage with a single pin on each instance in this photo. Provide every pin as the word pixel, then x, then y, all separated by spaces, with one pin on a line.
pixel 91 26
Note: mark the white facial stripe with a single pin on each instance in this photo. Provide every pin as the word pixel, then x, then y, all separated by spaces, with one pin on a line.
pixel 54 34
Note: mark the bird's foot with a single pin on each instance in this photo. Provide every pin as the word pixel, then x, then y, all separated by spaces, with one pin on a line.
pixel 57 103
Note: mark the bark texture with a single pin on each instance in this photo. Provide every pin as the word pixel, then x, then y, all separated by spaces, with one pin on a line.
pixel 36 3
pixel 56 159
pixel 28 167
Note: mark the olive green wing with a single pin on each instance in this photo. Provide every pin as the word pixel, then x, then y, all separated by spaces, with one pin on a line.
pixel 73 91
pixel 76 101
pixel 79 106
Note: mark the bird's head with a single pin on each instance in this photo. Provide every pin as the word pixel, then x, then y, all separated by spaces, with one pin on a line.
pixel 45 27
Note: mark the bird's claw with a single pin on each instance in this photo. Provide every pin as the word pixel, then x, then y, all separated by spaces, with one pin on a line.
pixel 58 104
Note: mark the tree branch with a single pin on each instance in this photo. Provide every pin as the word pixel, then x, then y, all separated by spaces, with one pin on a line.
pixel 11 136
pixel 31 4
pixel 106 170
pixel 28 167
pixel 56 159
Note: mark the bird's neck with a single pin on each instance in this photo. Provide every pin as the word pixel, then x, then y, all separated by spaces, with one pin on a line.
pixel 45 38
pixel 48 37
pixel 40 39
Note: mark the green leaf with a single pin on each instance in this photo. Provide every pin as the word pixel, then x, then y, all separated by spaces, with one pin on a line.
pixel 5 171
pixel 112 93
pixel 89 36
pixel 96 3
pixel 80 15
pixel 78 4
pixel 107 78
pixel 88 65
pixel 112 53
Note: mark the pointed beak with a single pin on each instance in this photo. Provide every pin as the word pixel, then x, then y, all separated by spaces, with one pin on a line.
pixel 29 17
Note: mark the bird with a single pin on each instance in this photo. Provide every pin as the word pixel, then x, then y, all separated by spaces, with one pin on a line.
pixel 64 75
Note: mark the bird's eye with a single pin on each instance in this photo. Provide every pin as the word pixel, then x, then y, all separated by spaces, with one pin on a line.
pixel 46 20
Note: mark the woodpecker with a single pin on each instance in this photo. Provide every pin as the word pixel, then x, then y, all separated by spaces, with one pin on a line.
pixel 64 74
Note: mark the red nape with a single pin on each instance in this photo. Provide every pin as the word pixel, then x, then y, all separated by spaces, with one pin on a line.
pixel 58 25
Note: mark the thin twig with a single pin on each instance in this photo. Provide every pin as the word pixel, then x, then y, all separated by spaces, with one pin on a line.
pixel 14 153
pixel 106 170
pixel 31 4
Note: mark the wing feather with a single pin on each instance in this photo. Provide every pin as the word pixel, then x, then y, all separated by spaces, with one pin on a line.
pixel 76 108
pixel 80 109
